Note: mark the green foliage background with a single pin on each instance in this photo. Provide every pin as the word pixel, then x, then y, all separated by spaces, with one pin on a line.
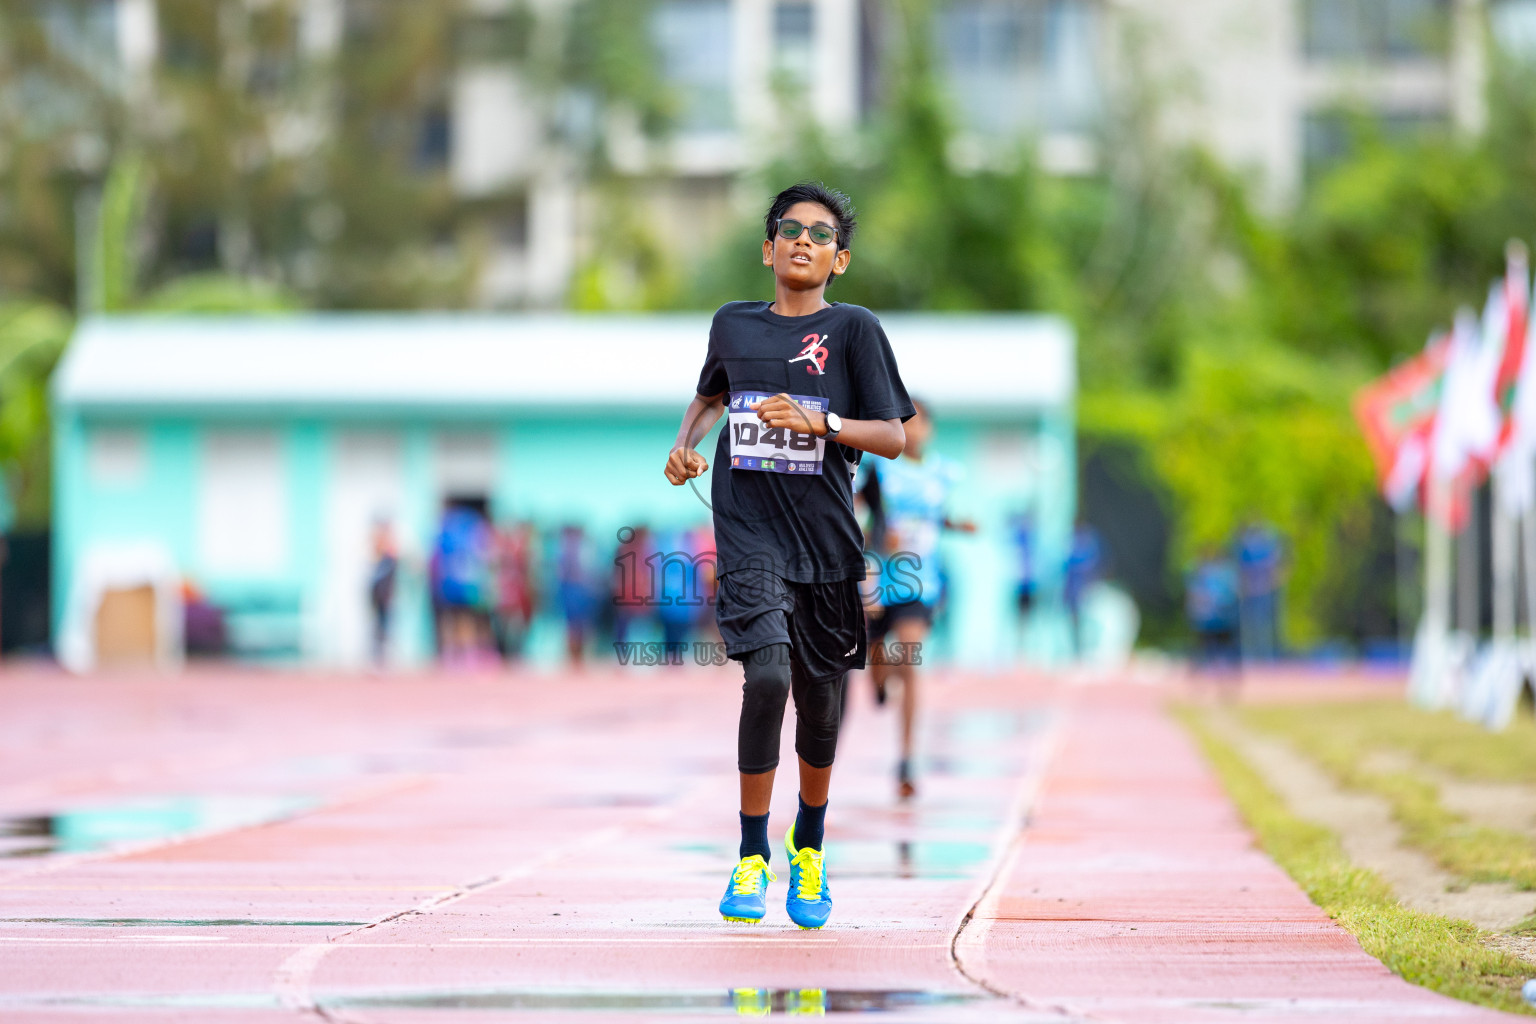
pixel 1219 341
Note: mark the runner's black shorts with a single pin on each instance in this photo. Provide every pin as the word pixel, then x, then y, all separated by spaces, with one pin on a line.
pixel 884 620
pixel 823 623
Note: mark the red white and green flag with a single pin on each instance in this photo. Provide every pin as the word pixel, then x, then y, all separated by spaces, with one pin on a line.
pixel 1467 401
pixel 1517 455
pixel 1397 413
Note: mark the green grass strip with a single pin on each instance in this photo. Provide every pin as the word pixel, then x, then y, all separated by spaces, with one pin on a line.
pixel 1442 739
pixel 1438 953
pixel 1339 737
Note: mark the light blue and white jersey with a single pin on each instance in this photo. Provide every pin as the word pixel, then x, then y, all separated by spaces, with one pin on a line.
pixel 915 496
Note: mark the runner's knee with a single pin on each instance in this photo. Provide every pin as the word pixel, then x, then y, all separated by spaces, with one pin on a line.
pixel 763 694
pixel 818 714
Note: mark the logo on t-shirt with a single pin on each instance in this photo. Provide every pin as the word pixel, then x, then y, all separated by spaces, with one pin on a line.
pixel 814 354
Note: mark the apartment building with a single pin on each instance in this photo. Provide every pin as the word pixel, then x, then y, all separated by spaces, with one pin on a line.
pixel 1013 70
pixel 1268 85
pixel 1263 83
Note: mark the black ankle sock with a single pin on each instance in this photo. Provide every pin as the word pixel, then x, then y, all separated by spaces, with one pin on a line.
pixel 754 836
pixel 810 825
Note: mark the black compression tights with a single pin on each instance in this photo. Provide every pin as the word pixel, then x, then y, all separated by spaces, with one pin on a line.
pixel 770 675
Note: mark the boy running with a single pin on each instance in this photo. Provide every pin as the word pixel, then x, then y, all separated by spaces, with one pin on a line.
pixel 907 499
pixel 810 386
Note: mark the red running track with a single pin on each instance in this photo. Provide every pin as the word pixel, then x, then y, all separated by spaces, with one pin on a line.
pixel 250 848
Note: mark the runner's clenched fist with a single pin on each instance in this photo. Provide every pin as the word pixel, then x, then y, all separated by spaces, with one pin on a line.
pixel 782 411
pixel 684 464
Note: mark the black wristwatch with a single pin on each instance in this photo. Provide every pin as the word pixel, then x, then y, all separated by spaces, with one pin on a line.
pixel 834 425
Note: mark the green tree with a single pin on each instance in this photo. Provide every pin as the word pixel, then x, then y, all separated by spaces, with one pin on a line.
pixel 1222 344
pixel 317 171
pixel 32 336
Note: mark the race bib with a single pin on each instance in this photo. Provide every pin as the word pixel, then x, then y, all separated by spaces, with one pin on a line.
pixel 766 449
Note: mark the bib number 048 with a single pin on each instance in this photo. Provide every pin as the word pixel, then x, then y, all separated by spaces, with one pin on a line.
pixel 773 449
pixel 748 434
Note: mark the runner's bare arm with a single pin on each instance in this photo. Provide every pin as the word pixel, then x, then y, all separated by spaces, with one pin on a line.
pixel 683 463
pixel 878 437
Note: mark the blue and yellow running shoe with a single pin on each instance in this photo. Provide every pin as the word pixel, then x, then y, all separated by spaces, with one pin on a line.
pixel 809 902
pixel 746 894
pixel 808 1002
pixel 752 1002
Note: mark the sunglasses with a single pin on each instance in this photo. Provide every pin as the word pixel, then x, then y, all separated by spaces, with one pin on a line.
pixel 821 234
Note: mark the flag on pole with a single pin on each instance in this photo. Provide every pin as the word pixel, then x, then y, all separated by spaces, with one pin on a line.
pixel 1517 305
pixel 1466 429
pixel 1397 414
pixel 1467 426
pixel 1461 404
pixel 1517 460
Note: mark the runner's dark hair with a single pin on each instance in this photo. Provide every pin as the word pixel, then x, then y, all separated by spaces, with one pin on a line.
pixel 837 203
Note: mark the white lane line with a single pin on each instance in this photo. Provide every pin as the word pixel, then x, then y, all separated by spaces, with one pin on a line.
pixel 968 935
pixel 774 939
pixel 291 983
pixel 788 941
pixel 434 887
pixel 116 939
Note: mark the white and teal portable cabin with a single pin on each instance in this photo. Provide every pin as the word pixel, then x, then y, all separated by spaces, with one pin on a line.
pixel 251 456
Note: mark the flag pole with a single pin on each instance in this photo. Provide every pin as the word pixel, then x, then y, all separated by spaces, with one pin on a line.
pixel 1426 685
pixel 1402 527
pixel 1505 566
pixel 1437 559
pixel 1468 589
pixel 1528 544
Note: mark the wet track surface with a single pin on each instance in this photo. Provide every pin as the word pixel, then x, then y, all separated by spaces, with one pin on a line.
pixel 237 847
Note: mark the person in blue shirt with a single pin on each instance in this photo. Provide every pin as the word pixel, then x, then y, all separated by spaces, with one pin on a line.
pixel 1023 526
pixel 680 586
pixel 1260 556
pixel 574 590
pixel 1211 602
pixel 461 560
pixel 381 586
pixel 907 498
pixel 1085 563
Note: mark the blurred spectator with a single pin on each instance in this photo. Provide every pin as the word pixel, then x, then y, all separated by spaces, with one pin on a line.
pixel 1259 556
pixel 634 581
pixel 381 586
pixel 680 586
pixel 1084 566
pixel 574 590
pixel 1025 580
pixel 1211 602
pixel 462 556
pixel 514 588
pixel 435 596
pixel 203 629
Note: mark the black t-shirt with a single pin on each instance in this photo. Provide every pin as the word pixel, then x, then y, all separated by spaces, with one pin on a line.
pixel 801 527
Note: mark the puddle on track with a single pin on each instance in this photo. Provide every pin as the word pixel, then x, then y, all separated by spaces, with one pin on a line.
pixel 741 1002
pixel 737 1002
pixel 143 819
pixel 167 922
pixel 918 858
